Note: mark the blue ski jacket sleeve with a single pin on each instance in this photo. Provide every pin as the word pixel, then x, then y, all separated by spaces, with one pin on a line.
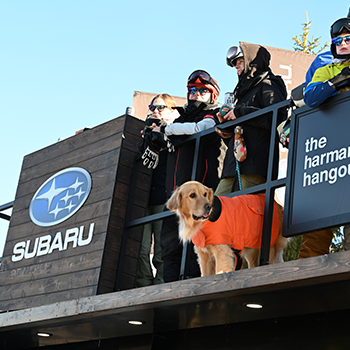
pixel 319 89
pixel 322 59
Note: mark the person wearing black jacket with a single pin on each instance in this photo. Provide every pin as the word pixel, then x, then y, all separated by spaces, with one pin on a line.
pixel 257 88
pixel 162 108
pixel 197 115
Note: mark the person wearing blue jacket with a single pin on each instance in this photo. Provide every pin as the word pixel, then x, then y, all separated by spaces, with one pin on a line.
pixel 333 78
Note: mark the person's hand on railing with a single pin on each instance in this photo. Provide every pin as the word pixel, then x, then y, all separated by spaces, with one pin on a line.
pixel 165 138
pixel 341 80
pixel 226 113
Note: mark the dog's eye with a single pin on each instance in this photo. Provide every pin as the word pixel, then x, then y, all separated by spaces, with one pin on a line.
pixel 193 195
pixel 205 194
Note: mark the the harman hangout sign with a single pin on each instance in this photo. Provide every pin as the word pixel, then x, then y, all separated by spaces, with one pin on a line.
pixel 320 168
pixel 56 200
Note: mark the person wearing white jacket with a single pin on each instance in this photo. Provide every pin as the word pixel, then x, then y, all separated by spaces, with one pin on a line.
pixel 197 115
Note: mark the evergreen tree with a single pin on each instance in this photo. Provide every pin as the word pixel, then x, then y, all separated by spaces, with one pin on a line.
pixel 303 44
pixel 291 252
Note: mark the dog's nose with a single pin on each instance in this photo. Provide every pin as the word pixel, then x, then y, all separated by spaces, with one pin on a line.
pixel 207 207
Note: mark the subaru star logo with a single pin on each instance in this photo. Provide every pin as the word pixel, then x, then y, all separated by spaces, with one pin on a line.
pixel 60 197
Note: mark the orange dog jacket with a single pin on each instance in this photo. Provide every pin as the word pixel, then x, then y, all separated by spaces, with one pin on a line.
pixel 240 223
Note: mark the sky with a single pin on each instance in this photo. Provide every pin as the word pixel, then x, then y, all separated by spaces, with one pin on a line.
pixel 68 64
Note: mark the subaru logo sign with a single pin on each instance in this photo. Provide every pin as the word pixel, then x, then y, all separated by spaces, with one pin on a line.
pixel 60 197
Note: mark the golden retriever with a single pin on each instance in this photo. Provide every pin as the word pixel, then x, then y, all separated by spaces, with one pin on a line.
pixel 209 221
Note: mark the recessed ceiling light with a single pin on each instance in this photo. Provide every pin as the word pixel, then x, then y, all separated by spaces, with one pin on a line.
pixel 254 305
pixel 136 322
pixel 42 334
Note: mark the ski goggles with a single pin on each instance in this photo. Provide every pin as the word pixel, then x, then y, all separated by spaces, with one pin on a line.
pixel 154 107
pixel 202 91
pixel 337 41
pixel 232 55
pixel 202 75
pixel 339 25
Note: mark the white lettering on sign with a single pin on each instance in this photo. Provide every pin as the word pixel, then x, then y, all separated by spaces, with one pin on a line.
pixel 322 158
pixel 44 245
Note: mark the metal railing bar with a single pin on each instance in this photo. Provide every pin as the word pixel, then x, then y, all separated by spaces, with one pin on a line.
pixel 146 219
pixel 6 206
pixel 5 217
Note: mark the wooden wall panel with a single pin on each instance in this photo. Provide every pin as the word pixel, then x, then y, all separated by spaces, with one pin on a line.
pixel 48 285
pixel 70 264
pixel 108 153
pixel 71 158
pixel 121 251
pixel 76 142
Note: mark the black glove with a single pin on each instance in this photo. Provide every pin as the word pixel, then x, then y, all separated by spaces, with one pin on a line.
pixel 341 80
pixel 150 159
pixel 297 95
pixel 158 141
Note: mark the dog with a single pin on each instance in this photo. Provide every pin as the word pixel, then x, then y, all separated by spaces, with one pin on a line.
pixel 217 224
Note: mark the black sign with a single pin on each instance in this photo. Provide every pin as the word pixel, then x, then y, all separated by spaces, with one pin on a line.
pixel 318 186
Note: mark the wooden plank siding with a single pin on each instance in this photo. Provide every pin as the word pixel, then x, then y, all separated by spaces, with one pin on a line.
pixel 108 153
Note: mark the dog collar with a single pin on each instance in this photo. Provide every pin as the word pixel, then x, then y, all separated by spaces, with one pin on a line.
pixel 215 210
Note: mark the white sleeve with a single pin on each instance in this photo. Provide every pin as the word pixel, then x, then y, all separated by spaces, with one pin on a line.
pixel 189 128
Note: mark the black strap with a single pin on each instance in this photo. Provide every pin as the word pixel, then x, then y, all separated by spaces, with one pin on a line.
pixel 238 260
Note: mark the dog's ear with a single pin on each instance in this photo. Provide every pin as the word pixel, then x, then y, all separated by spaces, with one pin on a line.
pixel 210 195
pixel 175 200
